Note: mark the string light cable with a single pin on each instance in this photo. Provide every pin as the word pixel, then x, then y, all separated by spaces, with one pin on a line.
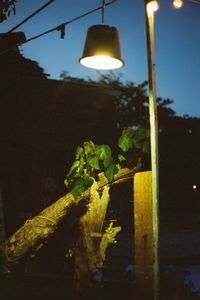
pixel 61 27
pixel 195 1
pixel 31 16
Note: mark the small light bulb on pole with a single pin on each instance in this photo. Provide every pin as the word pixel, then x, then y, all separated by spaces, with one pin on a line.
pixel 152 7
pixel 177 4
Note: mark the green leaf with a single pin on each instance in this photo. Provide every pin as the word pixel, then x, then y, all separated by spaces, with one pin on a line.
pixel 77 190
pixel 81 185
pixel 66 182
pixel 126 140
pixel 74 167
pixel 94 162
pixel 89 147
pixel 79 152
pixel 121 157
pixel 110 171
pixel 103 151
pixel 104 154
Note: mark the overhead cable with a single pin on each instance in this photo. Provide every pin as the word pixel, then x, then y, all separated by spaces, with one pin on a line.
pixel 32 15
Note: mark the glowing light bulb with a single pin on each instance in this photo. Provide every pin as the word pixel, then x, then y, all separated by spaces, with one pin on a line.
pixel 101 62
pixel 177 4
pixel 152 7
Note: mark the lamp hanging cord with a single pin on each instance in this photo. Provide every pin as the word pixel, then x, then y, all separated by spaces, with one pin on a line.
pixel 103 11
pixel 58 27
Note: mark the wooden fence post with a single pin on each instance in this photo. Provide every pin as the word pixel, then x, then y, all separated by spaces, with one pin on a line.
pixel 143 235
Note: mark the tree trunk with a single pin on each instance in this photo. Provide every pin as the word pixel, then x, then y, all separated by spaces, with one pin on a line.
pixel 29 238
pixel 93 241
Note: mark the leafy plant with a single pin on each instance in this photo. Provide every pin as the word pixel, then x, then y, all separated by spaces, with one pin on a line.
pixel 91 159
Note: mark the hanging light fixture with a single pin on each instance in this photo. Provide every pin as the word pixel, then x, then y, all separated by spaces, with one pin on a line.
pixel 102 47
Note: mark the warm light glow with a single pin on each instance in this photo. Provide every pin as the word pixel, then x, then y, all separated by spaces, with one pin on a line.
pixel 152 7
pixel 194 187
pixel 101 62
pixel 178 3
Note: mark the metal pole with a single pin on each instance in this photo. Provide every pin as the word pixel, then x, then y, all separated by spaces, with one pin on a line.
pixel 2 223
pixel 154 143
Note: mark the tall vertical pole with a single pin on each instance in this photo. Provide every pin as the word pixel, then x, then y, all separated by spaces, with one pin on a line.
pixel 149 13
pixel 2 226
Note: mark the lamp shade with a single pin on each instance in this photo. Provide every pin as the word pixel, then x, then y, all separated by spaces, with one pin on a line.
pixel 102 48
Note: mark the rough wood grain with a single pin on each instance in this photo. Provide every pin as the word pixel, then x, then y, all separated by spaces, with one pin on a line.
pixel 30 237
pixel 143 235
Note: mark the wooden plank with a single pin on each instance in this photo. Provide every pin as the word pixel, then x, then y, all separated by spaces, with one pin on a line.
pixel 143 233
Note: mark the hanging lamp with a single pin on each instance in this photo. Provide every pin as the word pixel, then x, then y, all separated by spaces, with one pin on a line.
pixel 102 47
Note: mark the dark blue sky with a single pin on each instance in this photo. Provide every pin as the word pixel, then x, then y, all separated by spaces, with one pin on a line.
pixel 177 44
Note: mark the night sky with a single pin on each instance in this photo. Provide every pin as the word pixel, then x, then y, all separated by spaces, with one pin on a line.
pixel 177 44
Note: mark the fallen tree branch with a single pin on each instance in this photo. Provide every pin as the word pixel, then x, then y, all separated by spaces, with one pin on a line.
pixel 30 237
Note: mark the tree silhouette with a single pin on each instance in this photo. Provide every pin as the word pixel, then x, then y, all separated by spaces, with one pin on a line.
pixel 6 8
pixel 13 64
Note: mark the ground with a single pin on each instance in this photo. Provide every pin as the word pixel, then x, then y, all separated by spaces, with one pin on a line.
pixel 179 253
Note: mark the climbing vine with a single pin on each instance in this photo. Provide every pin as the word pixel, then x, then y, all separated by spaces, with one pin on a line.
pixel 90 159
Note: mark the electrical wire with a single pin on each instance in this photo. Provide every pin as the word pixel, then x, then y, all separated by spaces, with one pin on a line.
pixel 58 27
pixel 195 1
pixel 61 26
pixel 103 11
pixel 32 15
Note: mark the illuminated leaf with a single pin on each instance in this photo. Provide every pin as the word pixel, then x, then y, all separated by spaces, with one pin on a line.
pixel 66 182
pixel 110 171
pixel 94 162
pixel 89 147
pixel 104 154
pixel 121 157
pixel 81 185
pixel 79 152
pixel 74 167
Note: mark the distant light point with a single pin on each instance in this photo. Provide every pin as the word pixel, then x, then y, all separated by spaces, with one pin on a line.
pixel 177 4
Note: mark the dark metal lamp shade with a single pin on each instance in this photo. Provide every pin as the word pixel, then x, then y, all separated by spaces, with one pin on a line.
pixel 102 48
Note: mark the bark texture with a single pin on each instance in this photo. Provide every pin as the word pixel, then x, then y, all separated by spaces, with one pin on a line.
pixel 29 238
pixel 90 251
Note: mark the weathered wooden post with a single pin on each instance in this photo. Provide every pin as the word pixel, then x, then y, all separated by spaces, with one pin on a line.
pixel 143 231
pixel 2 223
pixel 90 252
